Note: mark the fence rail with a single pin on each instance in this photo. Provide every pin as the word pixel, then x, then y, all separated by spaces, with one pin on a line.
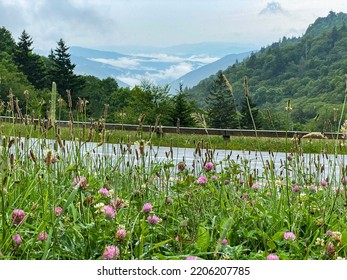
pixel 225 133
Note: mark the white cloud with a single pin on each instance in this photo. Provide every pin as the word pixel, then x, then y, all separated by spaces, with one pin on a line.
pixel 122 62
pixel 130 80
pixel 95 24
pixel 162 57
pixel 173 72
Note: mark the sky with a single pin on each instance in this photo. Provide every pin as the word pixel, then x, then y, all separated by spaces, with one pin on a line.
pixel 102 24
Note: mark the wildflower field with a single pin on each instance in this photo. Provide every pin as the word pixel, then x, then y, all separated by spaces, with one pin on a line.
pixel 78 200
pixel 74 200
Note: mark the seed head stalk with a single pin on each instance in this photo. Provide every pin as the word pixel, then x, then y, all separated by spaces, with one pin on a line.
pixel 288 109
pixel 336 152
pixel 245 84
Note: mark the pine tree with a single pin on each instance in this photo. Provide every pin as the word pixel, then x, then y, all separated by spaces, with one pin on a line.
pixel 220 105
pixel 30 64
pixel 248 108
pixel 62 71
pixel 182 109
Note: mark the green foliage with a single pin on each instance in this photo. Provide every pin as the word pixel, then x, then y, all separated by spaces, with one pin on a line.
pixel 182 109
pixel 11 79
pixel 62 73
pixel 249 112
pixel 309 70
pixel 7 43
pixel 32 65
pixel 99 93
pixel 220 105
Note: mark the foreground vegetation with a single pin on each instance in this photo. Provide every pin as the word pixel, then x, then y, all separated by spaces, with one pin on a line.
pixel 73 200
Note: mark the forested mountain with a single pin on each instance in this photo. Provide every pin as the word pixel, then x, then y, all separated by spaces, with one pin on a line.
pixel 309 71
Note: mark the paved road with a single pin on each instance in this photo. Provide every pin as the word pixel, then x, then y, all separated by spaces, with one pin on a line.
pixel 325 166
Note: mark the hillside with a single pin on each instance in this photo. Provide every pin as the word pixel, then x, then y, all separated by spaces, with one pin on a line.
pixel 310 71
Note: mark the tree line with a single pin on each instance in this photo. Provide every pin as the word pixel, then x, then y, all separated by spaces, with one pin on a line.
pixel 24 71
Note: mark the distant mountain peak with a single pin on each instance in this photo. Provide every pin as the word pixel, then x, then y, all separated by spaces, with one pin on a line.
pixel 273 8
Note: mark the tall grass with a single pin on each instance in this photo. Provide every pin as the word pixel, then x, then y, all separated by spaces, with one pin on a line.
pixel 80 199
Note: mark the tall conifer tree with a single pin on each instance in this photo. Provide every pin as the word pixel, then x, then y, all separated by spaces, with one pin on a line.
pixel 220 105
pixel 62 71
pixel 29 63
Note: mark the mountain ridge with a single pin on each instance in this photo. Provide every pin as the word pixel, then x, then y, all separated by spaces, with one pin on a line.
pixel 309 71
pixel 163 68
pixel 194 77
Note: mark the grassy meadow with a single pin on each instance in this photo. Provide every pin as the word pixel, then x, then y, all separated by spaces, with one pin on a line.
pixel 74 200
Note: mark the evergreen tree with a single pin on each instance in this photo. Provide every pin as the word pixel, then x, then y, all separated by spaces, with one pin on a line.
pixel 220 105
pixel 62 71
pixel 182 109
pixel 7 43
pixel 249 110
pixel 30 64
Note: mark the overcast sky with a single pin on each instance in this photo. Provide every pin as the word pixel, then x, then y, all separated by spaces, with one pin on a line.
pixel 102 24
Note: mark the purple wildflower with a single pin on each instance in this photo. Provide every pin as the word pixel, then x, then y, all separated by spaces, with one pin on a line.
pixel 109 211
pixel 224 242
pixel 295 188
pixel 209 166
pixel 81 181
pixel 118 204
pixel 17 239
pixel 191 258
pixel 147 207
pixel 255 186
pixel 121 234
pixel 42 236
pixel 330 250
pixel 104 192
pixel 289 235
pixel 58 210
pixel 110 253
pixel 324 183
pixel 272 257
pixel 202 180
pixel 17 216
pixel 153 219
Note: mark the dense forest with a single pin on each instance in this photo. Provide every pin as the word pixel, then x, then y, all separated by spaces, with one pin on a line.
pixel 309 71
